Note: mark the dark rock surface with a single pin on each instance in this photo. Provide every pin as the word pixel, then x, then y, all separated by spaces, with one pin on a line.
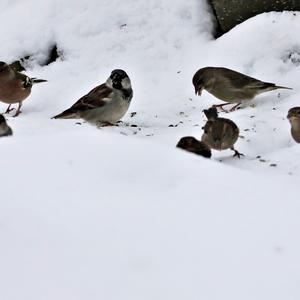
pixel 52 56
pixel 229 13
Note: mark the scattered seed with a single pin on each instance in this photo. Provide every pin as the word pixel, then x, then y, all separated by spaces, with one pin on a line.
pixel 273 165
pixel 133 114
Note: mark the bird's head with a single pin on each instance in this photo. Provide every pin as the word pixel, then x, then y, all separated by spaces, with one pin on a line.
pixel 2 120
pixel 119 79
pixel 211 113
pixel 4 68
pixel 187 143
pixel 199 81
pixel 294 114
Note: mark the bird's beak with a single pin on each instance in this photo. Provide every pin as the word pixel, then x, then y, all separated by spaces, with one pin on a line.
pixel 198 91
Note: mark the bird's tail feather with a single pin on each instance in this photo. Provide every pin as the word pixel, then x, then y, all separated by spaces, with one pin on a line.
pixel 36 80
pixel 282 87
pixel 67 114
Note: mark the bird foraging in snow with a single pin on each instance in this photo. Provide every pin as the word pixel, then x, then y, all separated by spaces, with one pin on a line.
pixel 230 86
pixel 15 87
pixel 220 133
pixel 294 118
pixel 191 144
pixel 5 130
pixel 105 104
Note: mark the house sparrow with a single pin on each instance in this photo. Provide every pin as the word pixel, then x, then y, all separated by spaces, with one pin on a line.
pixel 15 87
pixel 105 104
pixel 230 86
pixel 5 130
pixel 294 118
pixel 191 144
pixel 220 133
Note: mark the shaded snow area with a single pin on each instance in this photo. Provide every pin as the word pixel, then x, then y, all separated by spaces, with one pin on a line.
pixel 119 213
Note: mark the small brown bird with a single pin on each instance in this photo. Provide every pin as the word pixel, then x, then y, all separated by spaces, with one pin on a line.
pixel 230 86
pixel 105 104
pixel 15 87
pixel 5 130
pixel 294 118
pixel 191 144
pixel 220 133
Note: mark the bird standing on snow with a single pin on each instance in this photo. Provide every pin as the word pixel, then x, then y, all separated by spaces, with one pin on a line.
pixel 191 144
pixel 294 118
pixel 15 87
pixel 220 133
pixel 230 86
pixel 105 104
pixel 5 130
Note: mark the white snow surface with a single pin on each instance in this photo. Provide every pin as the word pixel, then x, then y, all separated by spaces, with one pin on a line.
pixel 119 212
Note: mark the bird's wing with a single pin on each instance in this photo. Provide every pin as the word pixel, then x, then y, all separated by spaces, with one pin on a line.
pixel 241 81
pixel 97 97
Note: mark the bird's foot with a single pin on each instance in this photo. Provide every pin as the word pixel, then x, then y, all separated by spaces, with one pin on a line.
pixel 221 106
pixel 235 107
pixel 237 153
pixel 105 124
pixel 17 113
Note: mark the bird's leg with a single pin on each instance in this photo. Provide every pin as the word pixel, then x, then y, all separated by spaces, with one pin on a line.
pixel 233 108
pixel 8 109
pixel 18 110
pixel 221 106
pixel 237 153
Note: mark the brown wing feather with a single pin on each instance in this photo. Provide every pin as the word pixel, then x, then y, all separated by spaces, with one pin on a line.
pixel 93 99
pixel 240 81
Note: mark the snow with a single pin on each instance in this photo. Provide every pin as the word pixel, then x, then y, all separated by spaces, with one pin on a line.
pixel 120 213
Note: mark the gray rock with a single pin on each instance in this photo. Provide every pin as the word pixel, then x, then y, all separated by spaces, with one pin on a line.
pixel 229 13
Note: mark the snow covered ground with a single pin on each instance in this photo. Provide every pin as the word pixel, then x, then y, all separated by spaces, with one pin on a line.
pixel 120 213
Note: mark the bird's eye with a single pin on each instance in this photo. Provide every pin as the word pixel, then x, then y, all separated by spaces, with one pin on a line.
pixel 298 112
